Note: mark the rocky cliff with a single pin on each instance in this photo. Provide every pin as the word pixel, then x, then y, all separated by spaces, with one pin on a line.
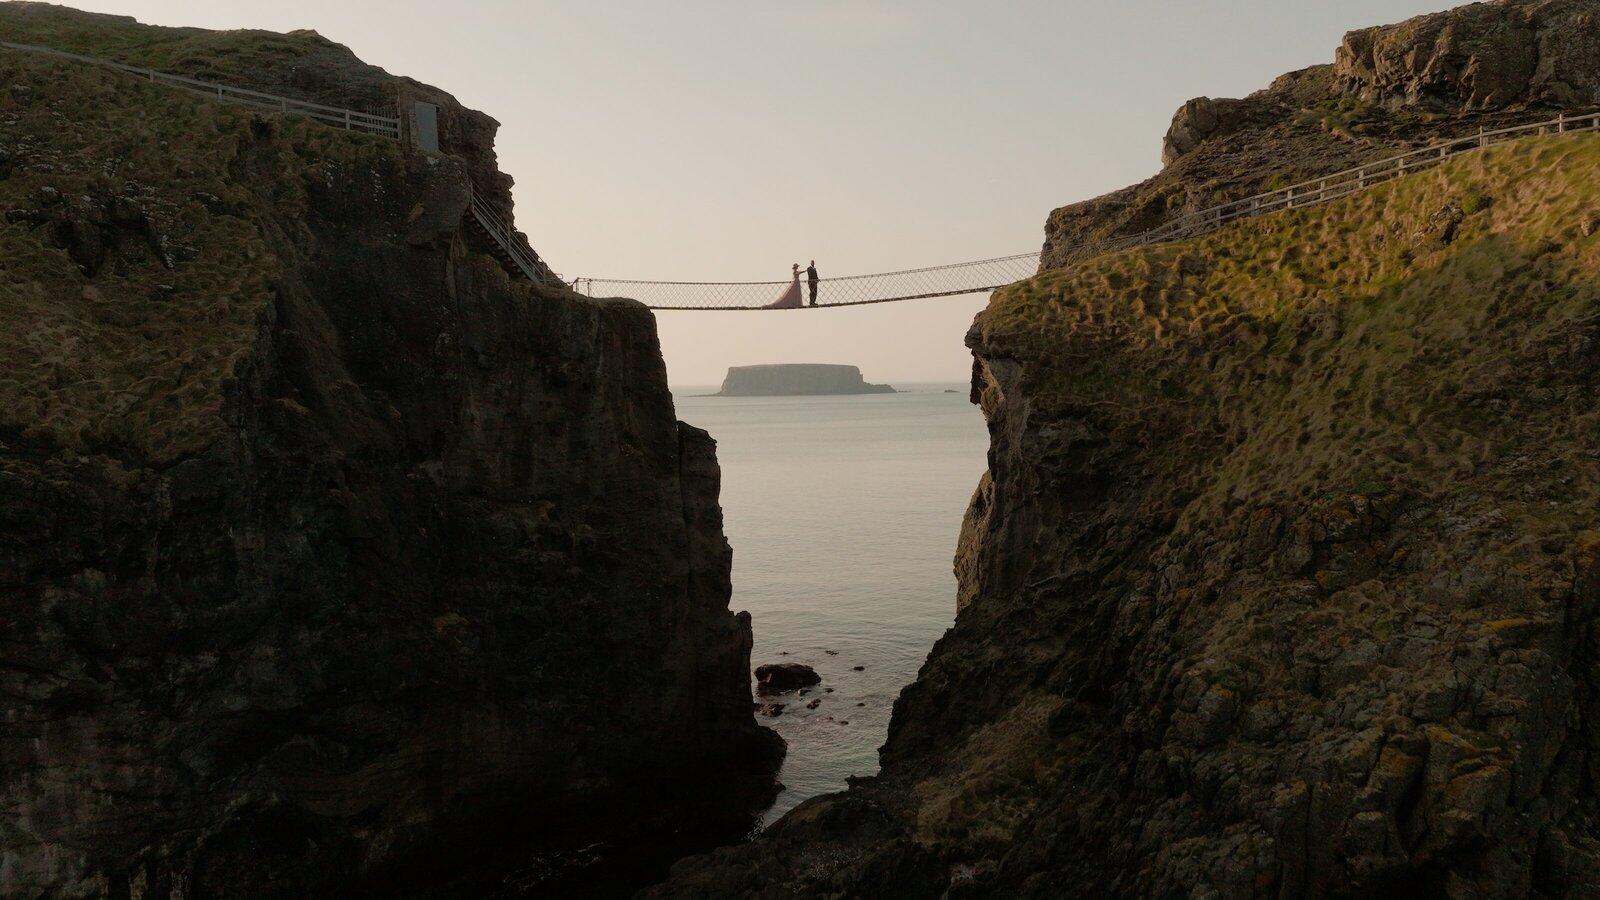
pixel 797 379
pixel 1284 578
pixel 333 561
pixel 1389 90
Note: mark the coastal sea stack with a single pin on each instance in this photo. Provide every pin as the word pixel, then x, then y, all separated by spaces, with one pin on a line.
pixel 796 380
pixel 333 558
pixel 1284 578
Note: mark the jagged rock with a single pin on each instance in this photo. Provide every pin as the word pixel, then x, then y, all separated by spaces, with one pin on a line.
pixel 1391 89
pixel 1201 119
pixel 780 677
pixel 1482 56
pixel 1440 228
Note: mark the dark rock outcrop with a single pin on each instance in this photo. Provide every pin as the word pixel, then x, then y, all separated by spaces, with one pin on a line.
pixel 1483 56
pixel 1203 119
pixel 781 677
pixel 330 556
pixel 797 379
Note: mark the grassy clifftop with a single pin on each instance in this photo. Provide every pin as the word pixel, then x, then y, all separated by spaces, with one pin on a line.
pixel 1420 334
pixel 137 250
pixel 302 64
pixel 1308 509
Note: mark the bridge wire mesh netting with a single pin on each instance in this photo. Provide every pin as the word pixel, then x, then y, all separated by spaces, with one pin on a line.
pixel 952 280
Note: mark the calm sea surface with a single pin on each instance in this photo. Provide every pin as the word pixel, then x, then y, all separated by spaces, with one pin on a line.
pixel 843 513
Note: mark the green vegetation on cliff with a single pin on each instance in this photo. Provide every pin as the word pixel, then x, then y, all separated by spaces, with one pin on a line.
pixel 1406 338
pixel 301 63
pixel 138 266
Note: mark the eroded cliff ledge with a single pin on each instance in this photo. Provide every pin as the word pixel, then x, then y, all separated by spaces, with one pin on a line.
pixel 1284 578
pixel 332 560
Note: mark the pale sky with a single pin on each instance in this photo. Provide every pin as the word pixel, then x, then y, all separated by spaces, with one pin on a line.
pixel 722 140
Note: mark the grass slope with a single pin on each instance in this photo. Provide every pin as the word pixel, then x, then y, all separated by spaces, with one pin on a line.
pixel 140 357
pixel 1347 348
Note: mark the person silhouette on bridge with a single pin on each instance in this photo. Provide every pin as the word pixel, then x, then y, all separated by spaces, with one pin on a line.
pixel 811 281
pixel 790 298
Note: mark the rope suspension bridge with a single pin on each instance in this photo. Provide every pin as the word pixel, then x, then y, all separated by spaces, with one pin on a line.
pixel 976 277
pixel 980 276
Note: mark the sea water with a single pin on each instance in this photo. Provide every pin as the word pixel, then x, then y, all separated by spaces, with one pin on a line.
pixel 843 513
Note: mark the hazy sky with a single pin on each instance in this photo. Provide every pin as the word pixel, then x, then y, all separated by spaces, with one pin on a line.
pixel 722 140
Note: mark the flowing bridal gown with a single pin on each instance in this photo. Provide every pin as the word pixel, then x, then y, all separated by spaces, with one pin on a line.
pixel 790 299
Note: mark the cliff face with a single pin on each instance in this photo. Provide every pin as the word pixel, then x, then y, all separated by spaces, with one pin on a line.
pixel 332 559
pixel 1483 56
pixel 798 379
pixel 1284 578
pixel 1389 90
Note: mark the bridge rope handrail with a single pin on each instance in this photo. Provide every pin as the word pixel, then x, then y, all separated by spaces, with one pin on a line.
pixel 1311 192
pixel 977 262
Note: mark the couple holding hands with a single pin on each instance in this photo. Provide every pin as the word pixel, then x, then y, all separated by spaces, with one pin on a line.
pixel 790 299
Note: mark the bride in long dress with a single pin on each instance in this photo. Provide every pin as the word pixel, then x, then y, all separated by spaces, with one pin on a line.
pixel 790 299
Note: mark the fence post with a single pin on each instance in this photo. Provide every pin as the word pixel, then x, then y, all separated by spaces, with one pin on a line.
pixel 1482 141
pixel 347 120
pixel 1561 123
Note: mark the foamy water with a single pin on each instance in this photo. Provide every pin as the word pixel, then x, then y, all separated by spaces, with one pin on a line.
pixel 843 513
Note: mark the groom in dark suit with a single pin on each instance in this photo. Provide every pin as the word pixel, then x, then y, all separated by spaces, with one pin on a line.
pixel 811 281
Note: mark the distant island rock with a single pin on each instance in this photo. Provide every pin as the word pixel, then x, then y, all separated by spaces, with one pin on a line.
pixel 797 379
